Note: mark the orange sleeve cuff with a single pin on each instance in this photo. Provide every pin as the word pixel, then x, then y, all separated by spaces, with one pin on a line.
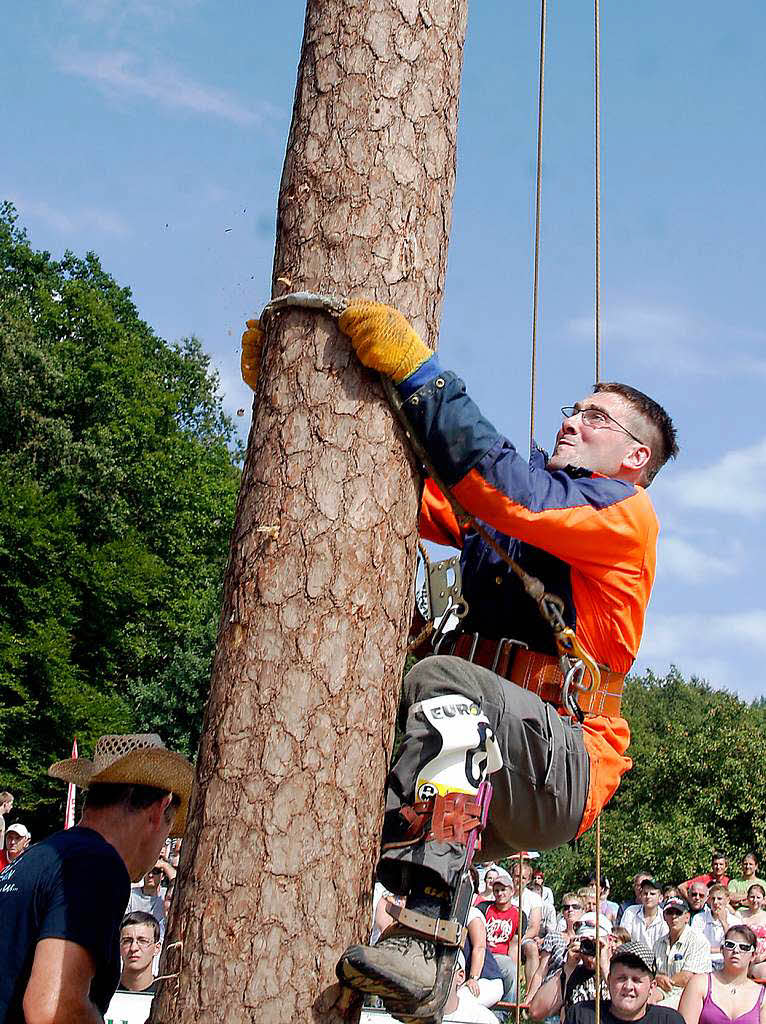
pixel 606 740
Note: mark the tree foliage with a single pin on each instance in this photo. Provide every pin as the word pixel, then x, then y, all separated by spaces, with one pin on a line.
pixel 698 784
pixel 118 482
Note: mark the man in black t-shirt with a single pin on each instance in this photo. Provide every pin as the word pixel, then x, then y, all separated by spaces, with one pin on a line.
pixel 61 904
pixel 632 972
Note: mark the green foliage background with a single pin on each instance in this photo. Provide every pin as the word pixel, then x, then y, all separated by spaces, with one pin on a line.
pixel 698 784
pixel 118 483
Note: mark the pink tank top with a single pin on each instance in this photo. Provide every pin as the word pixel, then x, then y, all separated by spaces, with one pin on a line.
pixel 712 1013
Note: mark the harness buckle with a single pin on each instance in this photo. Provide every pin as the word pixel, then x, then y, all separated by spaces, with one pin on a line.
pixel 502 643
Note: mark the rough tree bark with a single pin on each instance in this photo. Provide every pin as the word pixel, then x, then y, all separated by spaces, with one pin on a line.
pixel 277 866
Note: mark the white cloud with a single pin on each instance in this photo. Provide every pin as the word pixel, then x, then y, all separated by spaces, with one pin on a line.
pixel 70 221
pixel 121 72
pixel 735 484
pixel 117 14
pixel 725 648
pixel 682 560
pixel 660 337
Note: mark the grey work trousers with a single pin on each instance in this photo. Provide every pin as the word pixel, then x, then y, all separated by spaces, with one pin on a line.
pixel 538 795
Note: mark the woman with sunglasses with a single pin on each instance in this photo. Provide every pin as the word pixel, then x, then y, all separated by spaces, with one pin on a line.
pixel 727 996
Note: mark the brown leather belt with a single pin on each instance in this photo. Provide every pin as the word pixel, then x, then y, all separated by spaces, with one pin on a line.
pixel 539 673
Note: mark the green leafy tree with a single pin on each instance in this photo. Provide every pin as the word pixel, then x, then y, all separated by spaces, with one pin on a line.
pixel 698 784
pixel 118 483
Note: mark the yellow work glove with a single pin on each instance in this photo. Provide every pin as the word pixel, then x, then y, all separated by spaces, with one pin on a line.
pixel 383 339
pixel 252 345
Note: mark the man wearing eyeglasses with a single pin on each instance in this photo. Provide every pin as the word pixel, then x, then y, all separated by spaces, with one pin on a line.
pixel 139 944
pixel 680 954
pixel 580 522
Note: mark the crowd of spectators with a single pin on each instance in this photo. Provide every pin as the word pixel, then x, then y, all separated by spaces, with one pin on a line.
pixel 694 935
pixel 698 946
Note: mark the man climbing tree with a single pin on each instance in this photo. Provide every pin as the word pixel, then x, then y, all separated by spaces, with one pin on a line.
pixel 581 522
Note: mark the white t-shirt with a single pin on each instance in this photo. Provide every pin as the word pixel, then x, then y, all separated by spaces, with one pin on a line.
pixel 469 1010
pixel 153 905
pixel 643 930
pixel 714 931
pixel 529 902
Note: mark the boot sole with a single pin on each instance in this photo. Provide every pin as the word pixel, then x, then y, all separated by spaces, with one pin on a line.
pixel 354 970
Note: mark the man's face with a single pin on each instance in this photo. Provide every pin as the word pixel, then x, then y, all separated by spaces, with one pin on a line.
pixel 155 823
pixel 637 887
pixel 676 920
pixel 137 946
pixel 600 449
pixel 697 896
pixel 629 988
pixel 651 897
pixel 719 867
pixel 15 844
pixel 749 866
pixel 503 894
pixel 717 900
pixel 152 879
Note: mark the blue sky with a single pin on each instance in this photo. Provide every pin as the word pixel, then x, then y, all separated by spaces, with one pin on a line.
pixel 153 132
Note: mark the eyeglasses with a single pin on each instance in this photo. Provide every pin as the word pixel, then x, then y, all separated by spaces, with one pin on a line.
pixel 596 418
pixel 743 947
pixel 674 911
pixel 141 942
pixel 570 906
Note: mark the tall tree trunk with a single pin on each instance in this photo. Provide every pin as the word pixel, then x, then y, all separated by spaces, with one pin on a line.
pixel 277 866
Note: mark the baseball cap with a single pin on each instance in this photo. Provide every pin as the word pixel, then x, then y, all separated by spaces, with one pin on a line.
pixel 629 952
pixel 503 878
pixel 20 830
pixel 585 928
pixel 675 901
pixel 650 883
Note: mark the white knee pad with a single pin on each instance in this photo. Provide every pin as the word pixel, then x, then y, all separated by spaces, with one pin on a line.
pixel 461 747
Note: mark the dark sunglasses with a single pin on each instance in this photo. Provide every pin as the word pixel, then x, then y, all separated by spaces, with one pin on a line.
pixel 570 906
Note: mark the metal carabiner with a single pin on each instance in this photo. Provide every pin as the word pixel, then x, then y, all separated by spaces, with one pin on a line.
pixel 572 686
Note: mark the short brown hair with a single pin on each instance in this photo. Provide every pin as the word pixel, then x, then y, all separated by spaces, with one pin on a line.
pixel 659 432
pixel 142 917
pixel 718 888
pixel 5 796
pixel 745 931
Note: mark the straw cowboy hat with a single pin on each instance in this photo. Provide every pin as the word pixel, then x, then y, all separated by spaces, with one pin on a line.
pixel 138 759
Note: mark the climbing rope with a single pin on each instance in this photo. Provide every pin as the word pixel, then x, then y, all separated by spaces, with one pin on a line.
pixel 597 325
pixel 538 202
pixel 597 184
